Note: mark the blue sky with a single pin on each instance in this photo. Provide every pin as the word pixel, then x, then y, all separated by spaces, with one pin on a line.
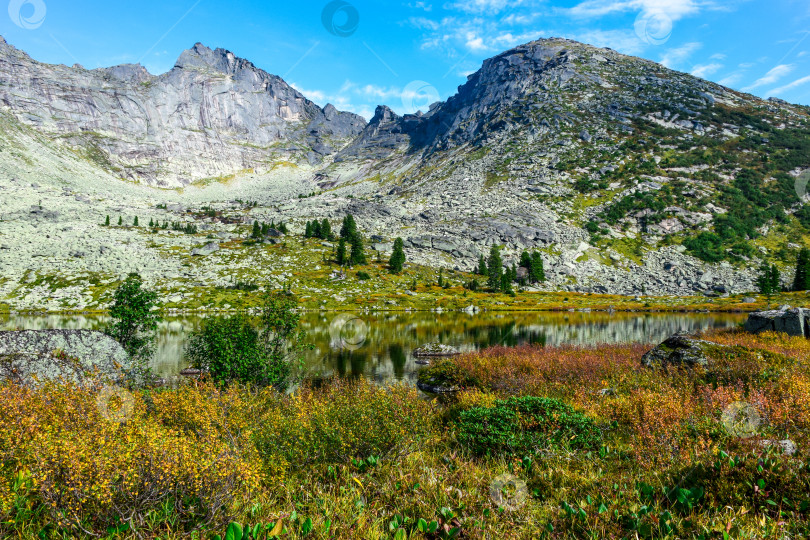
pixel 358 53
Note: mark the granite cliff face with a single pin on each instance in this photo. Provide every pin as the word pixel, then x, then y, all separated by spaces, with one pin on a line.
pixel 212 115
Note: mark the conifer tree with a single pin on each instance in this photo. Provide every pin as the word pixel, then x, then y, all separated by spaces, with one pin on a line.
pixel 397 261
pixel 326 230
pixel 135 222
pixel 107 222
pixel 536 271
pixel 349 228
pixel 120 221
pixel 257 230
pixel 482 266
pixel 308 230
pixel 341 253
pixel 316 229
pixel 769 280
pixel 358 256
pixel 802 279
pixel 494 268
pixel 151 223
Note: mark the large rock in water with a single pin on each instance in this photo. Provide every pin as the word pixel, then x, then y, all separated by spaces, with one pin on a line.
pixel 681 350
pixel 794 322
pixel 29 356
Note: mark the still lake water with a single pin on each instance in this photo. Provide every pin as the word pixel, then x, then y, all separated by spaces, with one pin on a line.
pixel 379 346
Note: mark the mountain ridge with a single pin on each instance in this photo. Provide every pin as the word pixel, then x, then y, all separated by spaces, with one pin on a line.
pixel 628 177
pixel 212 106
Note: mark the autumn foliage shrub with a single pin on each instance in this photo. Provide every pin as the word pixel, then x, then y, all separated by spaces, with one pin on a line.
pixel 88 472
pixel 345 421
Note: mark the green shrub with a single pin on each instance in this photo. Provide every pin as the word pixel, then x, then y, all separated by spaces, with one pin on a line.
pixel 230 350
pixel 363 276
pixel 525 425
pixel 344 421
pixel 235 349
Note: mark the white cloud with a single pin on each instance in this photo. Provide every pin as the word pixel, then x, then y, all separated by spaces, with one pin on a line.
pixel 718 56
pixel 673 57
pixel 704 70
pixel 788 87
pixel 674 9
pixel 421 5
pixel 731 80
pixel 771 77
pixel 487 6
pixel 475 43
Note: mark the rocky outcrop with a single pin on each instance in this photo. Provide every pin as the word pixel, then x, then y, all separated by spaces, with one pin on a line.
pixel 793 322
pixel 681 350
pixel 74 355
pixel 213 114
pixel 436 350
pixel 207 249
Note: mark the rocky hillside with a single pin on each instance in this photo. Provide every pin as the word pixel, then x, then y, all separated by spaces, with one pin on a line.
pixel 628 177
pixel 618 166
pixel 212 115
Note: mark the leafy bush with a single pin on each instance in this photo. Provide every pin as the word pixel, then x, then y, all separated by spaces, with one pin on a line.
pixel 84 473
pixel 344 421
pixel 524 425
pixel 235 349
pixel 230 350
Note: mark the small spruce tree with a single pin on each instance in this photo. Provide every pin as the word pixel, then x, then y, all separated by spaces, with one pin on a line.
pixel 308 230
pixel 107 222
pixel 536 271
pixel 341 258
pixel 135 222
pixel 349 228
pixel 120 221
pixel 397 261
pixel 326 230
pixel 257 230
pixel 768 280
pixel 494 268
pixel 802 279
pixel 358 255
pixel 482 266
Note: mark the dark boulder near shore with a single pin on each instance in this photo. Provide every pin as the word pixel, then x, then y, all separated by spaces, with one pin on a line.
pixel 793 322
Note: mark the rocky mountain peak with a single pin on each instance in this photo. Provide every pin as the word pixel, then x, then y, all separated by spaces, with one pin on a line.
pixel 221 60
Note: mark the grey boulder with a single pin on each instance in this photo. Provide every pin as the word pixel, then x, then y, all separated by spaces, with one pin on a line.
pixel 208 249
pixel 680 350
pixel 793 322
pixel 31 356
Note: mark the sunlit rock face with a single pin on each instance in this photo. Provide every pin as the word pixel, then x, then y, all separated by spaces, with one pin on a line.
pixel 213 114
